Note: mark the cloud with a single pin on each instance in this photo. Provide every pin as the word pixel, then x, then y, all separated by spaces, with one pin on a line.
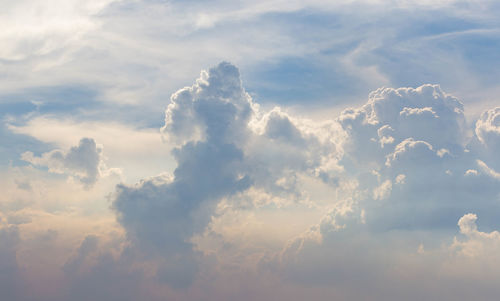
pixel 487 131
pixel 363 197
pixel 37 29
pixel 477 244
pixel 414 165
pixel 74 43
pixel 9 269
pixel 419 133
pixel 383 191
pixel 390 266
pixel 404 164
pixel 224 145
pixel 85 161
pixel 161 214
pixel 146 156
pixel 488 128
pixel 398 163
pixel 424 113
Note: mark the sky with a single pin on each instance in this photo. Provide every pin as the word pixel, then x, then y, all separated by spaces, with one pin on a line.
pixel 249 150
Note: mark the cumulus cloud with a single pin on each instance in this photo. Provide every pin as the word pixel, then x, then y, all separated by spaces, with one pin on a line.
pixel 223 146
pixel 399 162
pixel 425 113
pixel 84 162
pixel 162 214
pixel 487 133
pixel 477 243
pixel 416 170
pixel 392 175
pixel 417 138
pixel 488 128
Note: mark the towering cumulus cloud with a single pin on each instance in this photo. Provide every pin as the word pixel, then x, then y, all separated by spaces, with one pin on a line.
pixel 409 148
pixel 209 121
pixel 401 162
pixel 224 146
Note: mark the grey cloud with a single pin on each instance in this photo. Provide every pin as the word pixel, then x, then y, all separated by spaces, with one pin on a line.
pixel 417 174
pixel 94 273
pixel 279 127
pixel 224 146
pixel 18 219
pixel 88 245
pixel 400 170
pixel 82 161
pixel 404 152
pixel 161 214
pixel 405 149
pixel 10 277
pixel 392 266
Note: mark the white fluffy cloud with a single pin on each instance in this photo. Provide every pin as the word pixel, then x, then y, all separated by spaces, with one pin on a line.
pixel 477 244
pixel 487 131
pixel 488 128
pixel 419 134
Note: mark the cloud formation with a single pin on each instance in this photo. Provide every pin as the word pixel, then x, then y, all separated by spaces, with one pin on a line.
pixel 394 164
pixel 384 185
pixel 240 201
pixel 84 162
pixel 161 214
pixel 224 146
pixel 9 270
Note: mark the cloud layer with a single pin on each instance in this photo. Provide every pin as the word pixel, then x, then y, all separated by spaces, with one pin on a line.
pixel 401 162
pixel 370 197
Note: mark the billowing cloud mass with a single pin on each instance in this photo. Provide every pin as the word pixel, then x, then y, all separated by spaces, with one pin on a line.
pixel 224 148
pixel 262 200
pixel 401 162
pixel 162 214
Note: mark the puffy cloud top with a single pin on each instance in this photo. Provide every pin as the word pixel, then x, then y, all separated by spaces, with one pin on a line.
pixel 488 128
pixel 216 107
pixel 399 162
pixel 209 121
pixel 392 115
pixel 223 145
pixel 467 224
